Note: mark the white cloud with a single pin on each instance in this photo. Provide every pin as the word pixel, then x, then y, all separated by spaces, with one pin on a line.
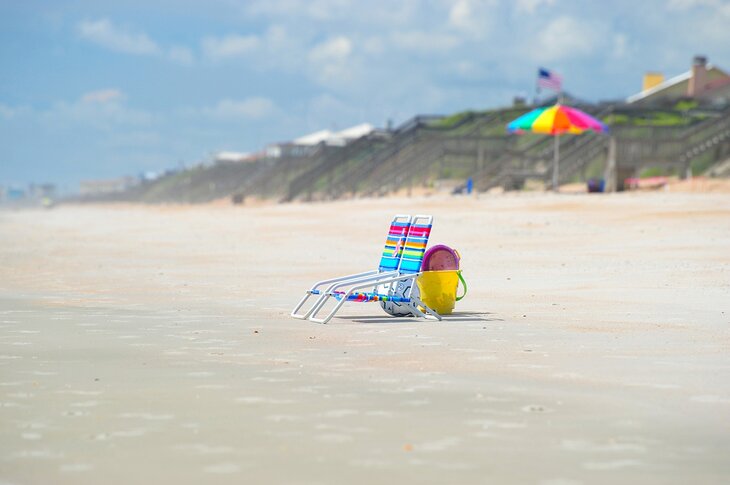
pixel 6 111
pixel 104 110
pixel 531 6
pixel 135 139
pixel 230 46
pixel 336 49
pixel 110 36
pixel 472 17
pixel 375 14
pixel 620 46
pixel 332 64
pixel 106 34
pixel 320 10
pixel 690 4
pixel 326 110
pixel 706 21
pixel 102 96
pixel 180 55
pixel 250 108
pixel 566 37
pixel 426 42
pixel 374 45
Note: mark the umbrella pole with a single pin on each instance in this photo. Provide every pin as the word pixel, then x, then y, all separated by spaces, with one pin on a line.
pixel 556 158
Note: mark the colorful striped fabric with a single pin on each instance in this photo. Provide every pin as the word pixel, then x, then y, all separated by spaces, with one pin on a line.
pixel 415 247
pixel 394 245
pixel 404 250
pixel 556 120
pixel 363 297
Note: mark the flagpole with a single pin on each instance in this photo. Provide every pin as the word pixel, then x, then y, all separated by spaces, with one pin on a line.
pixel 556 159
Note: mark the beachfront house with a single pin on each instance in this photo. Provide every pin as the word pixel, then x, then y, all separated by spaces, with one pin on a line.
pixel 306 144
pixel 704 82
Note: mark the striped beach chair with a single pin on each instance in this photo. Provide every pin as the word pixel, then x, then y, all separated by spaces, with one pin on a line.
pixel 389 264
pixel 406 256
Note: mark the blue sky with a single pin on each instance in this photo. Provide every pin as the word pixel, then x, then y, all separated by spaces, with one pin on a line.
pixel 93 89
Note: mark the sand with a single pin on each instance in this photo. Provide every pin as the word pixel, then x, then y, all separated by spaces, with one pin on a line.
pixel 153 344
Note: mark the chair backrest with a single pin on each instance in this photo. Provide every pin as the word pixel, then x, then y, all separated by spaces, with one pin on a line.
pixel 395 243
pixel 415 244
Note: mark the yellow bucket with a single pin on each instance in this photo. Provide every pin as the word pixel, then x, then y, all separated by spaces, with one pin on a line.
pixel 438 289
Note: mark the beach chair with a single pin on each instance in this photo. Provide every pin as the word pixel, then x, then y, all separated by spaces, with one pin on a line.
pixel 407 257
pixel 389 264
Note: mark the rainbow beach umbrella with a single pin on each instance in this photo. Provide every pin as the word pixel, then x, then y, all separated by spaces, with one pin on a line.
pixel 556 120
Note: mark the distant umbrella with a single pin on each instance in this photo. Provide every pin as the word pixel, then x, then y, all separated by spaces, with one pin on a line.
pixel 556 120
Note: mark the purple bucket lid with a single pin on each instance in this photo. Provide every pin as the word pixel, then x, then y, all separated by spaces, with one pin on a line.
pixel 440 258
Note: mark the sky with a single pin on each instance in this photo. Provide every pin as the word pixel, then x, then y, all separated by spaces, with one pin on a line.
pixel 94 90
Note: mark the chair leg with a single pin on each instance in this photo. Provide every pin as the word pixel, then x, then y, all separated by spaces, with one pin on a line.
pixel 331 314
pixel 305 315
pixel 321 301
pixel 429 313
pixel 299 305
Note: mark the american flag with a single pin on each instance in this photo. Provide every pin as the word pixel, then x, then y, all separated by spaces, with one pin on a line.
pixel 549 80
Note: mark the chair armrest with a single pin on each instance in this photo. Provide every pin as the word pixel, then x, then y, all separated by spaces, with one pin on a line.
pixel 366 279
pixel 343 278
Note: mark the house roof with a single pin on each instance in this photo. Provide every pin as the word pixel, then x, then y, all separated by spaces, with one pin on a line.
pixel 685 76
pixel 334 138
pixel 313 138
pixel 231 156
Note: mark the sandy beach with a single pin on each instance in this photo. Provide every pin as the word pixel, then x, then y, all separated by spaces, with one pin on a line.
pixel 154 344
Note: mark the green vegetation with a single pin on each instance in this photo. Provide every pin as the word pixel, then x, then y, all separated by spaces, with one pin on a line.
pixel 656 171
pixel 652 172
pixel 686 105
pixel 678 118
pixel 451 121
pixel 595 169
pixel 702 163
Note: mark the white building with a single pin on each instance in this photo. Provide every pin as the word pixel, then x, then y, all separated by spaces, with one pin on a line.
pixel 305 144
pixel 234 157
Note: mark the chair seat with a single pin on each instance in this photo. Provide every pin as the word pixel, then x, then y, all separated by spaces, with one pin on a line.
pixel 370 296
pixel 365 296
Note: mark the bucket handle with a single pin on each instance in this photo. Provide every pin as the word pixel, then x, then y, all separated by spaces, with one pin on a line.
pixel 463 283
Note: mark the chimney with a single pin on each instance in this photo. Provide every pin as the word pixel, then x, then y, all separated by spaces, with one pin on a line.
pixel 698 79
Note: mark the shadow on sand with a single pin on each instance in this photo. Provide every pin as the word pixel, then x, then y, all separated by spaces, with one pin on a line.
pixel 454 317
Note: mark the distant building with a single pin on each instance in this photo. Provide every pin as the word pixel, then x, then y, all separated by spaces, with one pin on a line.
pixel 236 157
pixel 313 139
pixel 15 192
pixel 343 137
pixel 703 82
pixel 304 145
pixel 39 191
pixel 108 186
pixel 149 176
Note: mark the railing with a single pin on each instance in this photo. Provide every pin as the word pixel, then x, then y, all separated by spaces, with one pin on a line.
pixel 408 165
pixel 577 160
pixel 326 164
pixel 350 181
pixel 718 132
pixel 672 145
pixel 274 174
